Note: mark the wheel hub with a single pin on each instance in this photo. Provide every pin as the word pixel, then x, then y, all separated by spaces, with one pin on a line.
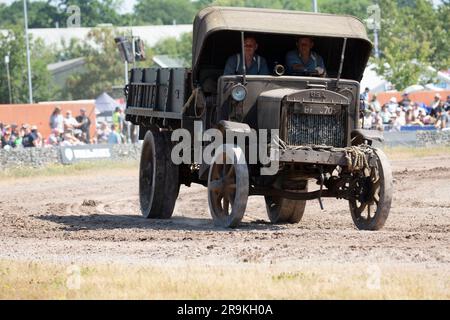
pixel 366 190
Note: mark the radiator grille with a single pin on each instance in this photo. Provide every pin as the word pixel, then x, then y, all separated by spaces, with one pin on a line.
pixel 312 129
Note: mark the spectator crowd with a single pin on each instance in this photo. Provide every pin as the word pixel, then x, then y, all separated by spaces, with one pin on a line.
pixel 67 130
pixel 13 136
pixel 394 115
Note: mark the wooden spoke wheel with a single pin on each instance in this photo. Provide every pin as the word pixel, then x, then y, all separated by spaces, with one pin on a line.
pixel 372 195
pixel 228 185
pixel 158 177
pixel 281 210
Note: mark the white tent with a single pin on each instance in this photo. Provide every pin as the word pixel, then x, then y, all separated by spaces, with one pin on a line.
pixel 373 81
pixel 414 88
pixel 104 103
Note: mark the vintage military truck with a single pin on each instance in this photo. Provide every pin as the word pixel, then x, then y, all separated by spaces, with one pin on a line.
pixel 312 139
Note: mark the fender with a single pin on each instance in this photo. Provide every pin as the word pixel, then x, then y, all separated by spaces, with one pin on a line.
pixel 224 126
pixel 237 127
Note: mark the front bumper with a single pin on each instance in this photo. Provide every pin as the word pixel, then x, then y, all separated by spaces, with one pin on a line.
pixel 322 157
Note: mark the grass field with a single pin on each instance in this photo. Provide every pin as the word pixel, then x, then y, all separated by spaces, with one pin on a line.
pixel 405 153
pixel 63 170
pixel 21 280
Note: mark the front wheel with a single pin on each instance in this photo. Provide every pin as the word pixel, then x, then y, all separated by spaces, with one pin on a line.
pixel 228 187
pixel 371 200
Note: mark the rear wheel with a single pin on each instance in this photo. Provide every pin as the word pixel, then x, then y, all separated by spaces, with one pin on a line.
pixel 158 177
pixel 281 210
pixel 372 195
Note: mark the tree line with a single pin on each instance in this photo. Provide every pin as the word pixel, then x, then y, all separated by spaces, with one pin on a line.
pixel 55 13
pixel 413 36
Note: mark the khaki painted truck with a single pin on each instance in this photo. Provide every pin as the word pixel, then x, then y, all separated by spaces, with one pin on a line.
pixel 308 126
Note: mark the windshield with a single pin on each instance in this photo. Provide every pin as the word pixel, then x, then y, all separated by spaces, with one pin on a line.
pixel 274 47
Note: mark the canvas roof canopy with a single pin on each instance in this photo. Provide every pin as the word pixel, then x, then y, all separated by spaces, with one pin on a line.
pixel 217 35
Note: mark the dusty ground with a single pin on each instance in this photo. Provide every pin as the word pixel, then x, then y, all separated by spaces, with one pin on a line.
pixel 96 219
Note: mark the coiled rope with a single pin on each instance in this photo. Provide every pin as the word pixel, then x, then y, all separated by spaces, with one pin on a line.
pixel 356 155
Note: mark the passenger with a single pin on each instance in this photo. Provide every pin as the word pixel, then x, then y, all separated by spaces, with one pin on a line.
pixel 255 64
pixel 304 61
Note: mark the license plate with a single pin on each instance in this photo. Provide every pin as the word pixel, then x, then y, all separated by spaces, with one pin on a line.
pixel 324 110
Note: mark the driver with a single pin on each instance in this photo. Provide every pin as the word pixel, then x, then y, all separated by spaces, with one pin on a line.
pixel 303 61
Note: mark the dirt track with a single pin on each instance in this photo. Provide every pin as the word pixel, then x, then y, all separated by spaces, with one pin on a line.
pixel 96 219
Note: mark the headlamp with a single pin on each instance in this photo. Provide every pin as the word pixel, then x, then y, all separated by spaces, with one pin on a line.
pixel 239 92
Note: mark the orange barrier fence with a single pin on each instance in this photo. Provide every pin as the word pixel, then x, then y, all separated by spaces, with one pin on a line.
pixel 39 114
pixel 426 97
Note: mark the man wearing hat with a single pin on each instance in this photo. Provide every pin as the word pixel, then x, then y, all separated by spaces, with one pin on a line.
pixel 85 122
pixel 436 106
